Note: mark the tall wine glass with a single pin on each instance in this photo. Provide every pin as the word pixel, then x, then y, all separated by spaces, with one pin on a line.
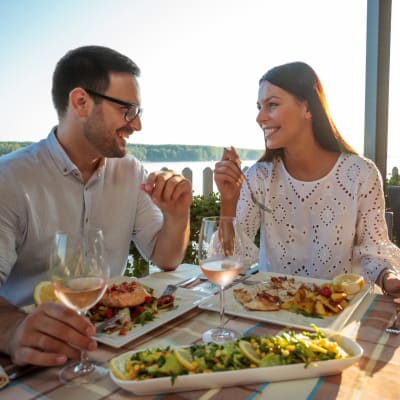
pixel 79 276
pixel 220 258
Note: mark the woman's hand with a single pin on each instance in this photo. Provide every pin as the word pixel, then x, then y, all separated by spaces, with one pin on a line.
pixel 228 176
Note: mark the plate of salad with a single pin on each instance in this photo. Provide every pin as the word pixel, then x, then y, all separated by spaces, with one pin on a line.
pixel 249 360
pixel 151 312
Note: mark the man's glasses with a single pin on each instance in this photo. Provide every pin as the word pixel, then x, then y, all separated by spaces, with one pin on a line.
pixel 132 109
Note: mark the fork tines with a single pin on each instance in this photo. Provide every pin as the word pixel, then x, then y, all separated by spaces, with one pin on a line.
pixel 392 329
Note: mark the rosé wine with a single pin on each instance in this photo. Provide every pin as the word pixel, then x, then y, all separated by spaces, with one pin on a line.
pixel 80 293
pixel 221 271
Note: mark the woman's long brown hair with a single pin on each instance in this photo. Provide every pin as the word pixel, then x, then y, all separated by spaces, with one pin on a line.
pixel 300 80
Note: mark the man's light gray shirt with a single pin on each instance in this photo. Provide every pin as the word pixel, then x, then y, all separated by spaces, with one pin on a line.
pixel 41 191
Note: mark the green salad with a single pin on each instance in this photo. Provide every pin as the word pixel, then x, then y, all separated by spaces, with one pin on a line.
pixel 288 347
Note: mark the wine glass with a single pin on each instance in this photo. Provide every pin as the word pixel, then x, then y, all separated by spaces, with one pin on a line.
pixel 79 276
pixel 220 259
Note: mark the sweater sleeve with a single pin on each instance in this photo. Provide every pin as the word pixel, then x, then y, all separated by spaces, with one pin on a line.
pixel 373 250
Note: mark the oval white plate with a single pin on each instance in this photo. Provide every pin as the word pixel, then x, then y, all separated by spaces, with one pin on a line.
pixel 245 376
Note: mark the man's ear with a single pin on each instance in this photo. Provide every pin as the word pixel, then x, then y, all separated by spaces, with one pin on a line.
pixel 80 102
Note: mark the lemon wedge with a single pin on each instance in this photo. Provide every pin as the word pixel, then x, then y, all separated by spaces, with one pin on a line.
pixel 184 356
pixel 349 283
pixel 44 292
pixel 117 366
pixel 248 351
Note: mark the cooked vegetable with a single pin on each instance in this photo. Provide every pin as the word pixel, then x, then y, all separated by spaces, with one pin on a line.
pixel 136 315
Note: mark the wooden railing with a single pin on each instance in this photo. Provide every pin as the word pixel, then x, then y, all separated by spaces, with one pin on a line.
pixel 208 178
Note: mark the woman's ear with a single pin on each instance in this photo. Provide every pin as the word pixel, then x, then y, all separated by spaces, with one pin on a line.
pixel 308 114
pixel 79 101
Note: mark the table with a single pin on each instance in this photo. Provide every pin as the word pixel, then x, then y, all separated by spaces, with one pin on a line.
pixel 375 376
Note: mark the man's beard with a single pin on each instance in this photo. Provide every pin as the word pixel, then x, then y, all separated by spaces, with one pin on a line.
pixel 102 140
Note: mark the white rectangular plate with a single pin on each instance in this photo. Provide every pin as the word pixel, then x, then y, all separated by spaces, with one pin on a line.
pixel 185 300
pixel 249 376
pixel 283 317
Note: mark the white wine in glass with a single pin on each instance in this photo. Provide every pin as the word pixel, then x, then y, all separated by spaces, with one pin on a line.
pixel 79 275
pixel 220 259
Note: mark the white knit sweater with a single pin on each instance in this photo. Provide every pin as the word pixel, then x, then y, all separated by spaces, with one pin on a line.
pixel 320 229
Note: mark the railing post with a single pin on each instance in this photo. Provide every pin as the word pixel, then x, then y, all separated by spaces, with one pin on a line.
pixel 207 182
pixel 188 174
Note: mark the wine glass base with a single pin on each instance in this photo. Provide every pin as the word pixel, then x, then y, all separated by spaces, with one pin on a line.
pixel 75 373
pixel 220 335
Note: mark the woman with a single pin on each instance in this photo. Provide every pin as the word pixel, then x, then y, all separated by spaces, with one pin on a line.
pixel 327 204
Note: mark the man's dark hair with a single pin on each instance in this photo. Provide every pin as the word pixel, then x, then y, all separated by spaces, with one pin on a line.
pixel 87 67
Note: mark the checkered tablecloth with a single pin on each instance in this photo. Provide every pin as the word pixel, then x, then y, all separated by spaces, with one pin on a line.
pixel 375 376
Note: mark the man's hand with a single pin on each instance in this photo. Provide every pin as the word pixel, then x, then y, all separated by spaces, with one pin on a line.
pixel 171 192
pixel 48 336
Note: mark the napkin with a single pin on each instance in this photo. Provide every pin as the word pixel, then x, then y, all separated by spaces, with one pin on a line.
pixel 3 377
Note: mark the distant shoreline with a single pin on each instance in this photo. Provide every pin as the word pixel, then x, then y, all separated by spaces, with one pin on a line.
pixel 162 152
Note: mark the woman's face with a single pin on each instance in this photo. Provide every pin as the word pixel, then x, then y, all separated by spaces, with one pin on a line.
pixel 284 119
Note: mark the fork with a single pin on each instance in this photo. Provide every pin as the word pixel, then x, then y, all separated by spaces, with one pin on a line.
pixel 107 322
pixel 253 197
pixel 393 328
pixel 172 288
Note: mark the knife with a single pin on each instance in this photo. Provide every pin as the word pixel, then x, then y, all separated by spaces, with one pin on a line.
pixel 15 372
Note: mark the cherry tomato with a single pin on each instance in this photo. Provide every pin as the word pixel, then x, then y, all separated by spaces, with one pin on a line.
pixel 164 300
pixel 325 291
pixel 136 311
pixel 148 299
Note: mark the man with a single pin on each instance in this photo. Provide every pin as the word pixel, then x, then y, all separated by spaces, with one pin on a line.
pixel 77 178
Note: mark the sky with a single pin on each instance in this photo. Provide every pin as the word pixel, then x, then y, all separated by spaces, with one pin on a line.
pixel 200 59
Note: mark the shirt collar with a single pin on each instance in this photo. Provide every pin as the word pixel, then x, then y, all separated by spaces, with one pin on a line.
pixel 61 158
pixel 63 162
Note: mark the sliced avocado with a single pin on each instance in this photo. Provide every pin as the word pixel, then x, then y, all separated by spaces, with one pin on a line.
pixel 171 366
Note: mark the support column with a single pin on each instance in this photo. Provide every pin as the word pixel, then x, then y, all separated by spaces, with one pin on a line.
pixel 377 82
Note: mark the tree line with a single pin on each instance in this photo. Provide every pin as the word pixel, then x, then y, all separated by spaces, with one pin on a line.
pixel 162 152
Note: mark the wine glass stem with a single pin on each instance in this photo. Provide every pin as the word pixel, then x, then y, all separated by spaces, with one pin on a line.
pixel 85 359
pixel 85 364
pixel 222 308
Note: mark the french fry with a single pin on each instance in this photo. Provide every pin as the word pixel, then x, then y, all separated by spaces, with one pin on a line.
pixel 330 306
pixel 320 309
pixel 337 297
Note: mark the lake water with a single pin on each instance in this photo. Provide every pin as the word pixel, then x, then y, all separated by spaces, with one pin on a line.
pixel 197 168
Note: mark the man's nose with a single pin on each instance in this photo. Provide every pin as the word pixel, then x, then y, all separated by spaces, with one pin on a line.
pixel 136 124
